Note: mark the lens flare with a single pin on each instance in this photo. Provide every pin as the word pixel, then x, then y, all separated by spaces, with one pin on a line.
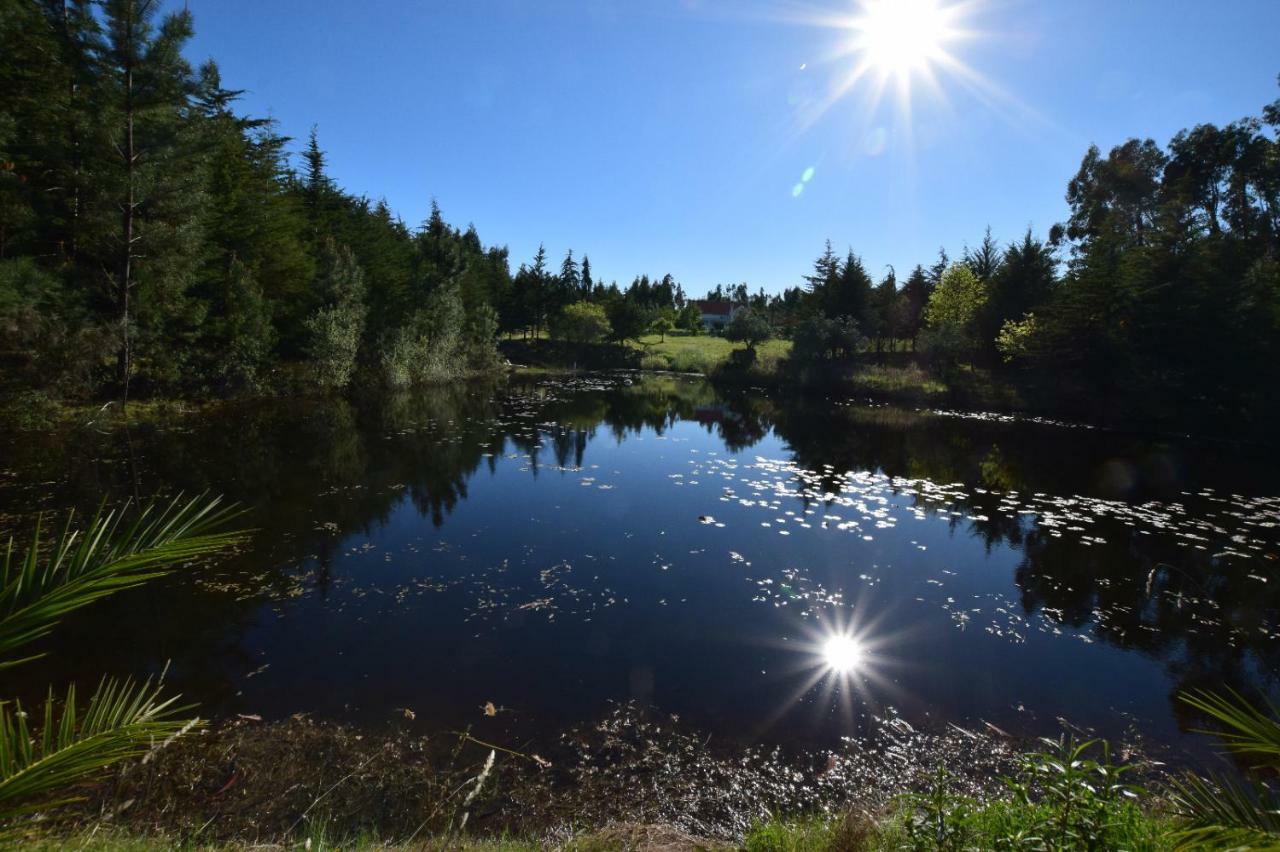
pixel 900 51
pixel 843 654
pixel 902 36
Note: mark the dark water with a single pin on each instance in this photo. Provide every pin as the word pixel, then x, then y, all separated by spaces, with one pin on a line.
pixel 555 546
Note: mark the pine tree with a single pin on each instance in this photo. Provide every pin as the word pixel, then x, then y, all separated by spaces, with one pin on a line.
pixel 588 285
pixel 826 271
pixel 984 261
pixel 152 171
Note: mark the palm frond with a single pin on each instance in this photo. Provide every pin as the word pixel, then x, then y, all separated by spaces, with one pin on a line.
pixel 122 720
pixel 1221 813
pixel 119 550
pixel 1249 730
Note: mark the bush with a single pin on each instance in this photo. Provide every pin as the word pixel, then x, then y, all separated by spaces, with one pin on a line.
pixel 820 338
pixel 430 346
pixel 581 322
pixel 334 329
pixel 1017 337
pixel 1072 797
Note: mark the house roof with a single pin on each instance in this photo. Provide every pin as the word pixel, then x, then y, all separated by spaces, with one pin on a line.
pixel 719 307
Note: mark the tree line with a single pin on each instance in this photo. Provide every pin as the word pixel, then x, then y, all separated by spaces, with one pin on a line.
pixel 1159 294
pixel 154 238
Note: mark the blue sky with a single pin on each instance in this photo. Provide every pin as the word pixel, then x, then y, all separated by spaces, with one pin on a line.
pixel 669 135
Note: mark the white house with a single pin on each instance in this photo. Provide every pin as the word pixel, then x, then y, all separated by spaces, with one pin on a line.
pixel 716 313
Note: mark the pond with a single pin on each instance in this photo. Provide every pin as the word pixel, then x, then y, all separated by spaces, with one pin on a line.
pixel 527 555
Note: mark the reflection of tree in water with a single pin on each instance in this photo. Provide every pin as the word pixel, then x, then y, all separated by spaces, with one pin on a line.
pixel 314 472
pixel 1138 590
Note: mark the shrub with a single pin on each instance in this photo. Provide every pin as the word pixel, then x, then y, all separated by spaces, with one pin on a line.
pixel 334 329
pixel 582 322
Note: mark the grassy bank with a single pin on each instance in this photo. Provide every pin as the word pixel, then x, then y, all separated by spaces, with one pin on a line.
pixel 895 376
pixel 633 781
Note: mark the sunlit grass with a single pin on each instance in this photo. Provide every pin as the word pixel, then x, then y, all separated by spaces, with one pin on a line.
pixel 704 353
pixel 881 378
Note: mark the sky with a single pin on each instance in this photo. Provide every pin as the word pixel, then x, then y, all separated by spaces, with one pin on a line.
pixel 676 136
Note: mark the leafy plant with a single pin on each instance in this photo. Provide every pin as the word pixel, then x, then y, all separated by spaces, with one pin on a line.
pixel 939 820
pixel 118 550
pixel 1079 796
pixel 122 720
pixel 1221 812
pixel 1072 796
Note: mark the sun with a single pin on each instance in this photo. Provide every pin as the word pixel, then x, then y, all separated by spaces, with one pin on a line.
pixel 842 653
pixel 901 37
pixel 892 48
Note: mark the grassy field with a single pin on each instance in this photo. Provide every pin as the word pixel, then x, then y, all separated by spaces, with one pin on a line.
pixel 703 353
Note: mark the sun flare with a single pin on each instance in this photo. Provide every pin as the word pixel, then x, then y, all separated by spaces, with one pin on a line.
pixel 843 654
pixel 902 36
pixel 898 50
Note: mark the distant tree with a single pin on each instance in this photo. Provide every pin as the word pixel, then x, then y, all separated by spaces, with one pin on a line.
pixel 911 304
pixel 820 339
pixel 852 295
pixel 940 266
pixel 664 323
pixel 826 270
pixel 570 278
pixel 588 284
pixel 539 291
pixel 690 319
pixel 250 335
pixel 144 165
pixel 582 322
pixel 1024 280
pixel 883 309
pixel 954 307
pixel 984 261
pixel 748 327
pixel 628 319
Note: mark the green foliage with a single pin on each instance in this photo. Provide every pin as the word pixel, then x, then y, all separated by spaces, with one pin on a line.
pixel 956 301
pixel 748 327
pixel 427 347
pixel 689 319
pixel 822 339
pixel 1223 812
pixel 663 325
pixel 1017 338
pixel 335 328
pixel 582 322
pixel 481 340
pixel 250 334
pixel 1071 797
pixel 122 720
pixel 628 319
pixel 119 550
pixel 951 316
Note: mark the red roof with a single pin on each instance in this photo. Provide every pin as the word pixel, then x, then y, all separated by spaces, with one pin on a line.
pixel 714 306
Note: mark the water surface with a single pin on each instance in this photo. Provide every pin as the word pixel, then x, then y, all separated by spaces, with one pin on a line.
pixel 551 547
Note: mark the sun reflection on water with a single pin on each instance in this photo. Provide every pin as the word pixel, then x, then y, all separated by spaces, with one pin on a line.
pixel 843 654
